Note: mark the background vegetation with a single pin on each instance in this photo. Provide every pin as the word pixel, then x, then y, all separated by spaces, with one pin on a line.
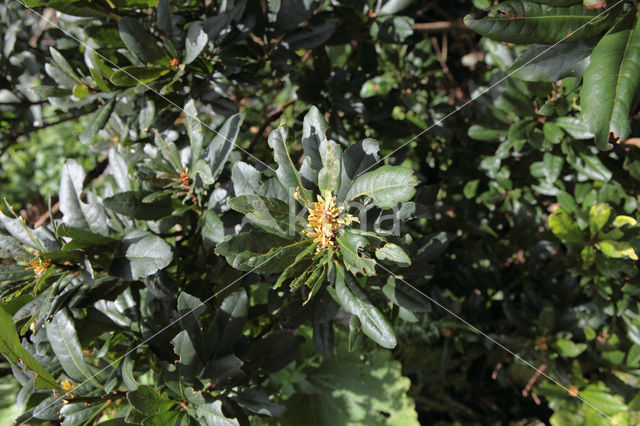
pixel 146 276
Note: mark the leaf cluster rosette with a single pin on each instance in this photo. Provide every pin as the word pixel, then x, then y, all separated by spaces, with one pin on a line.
pixel 304 225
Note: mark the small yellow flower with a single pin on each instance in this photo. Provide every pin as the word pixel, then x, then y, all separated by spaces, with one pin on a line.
pixel 325 220
pixel 39 266
pixel 67 385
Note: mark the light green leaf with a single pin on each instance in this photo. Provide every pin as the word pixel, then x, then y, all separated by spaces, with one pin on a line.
pixel 569 349
pixel 575 127
pixel 349 244
pixel 194 130
pixel 610 83
pixel 77 213
pixel 260 252
pixel 346 389
pixel 355 301
pixel 379 85
pixel 604 401
pixel 217 152
pixel 195 42
pixel 11 348
pixel 387 186
pixel 329 175
pixel 286 172
pixel 270 214
pixel 565 228
pixel 598 217
pixel 211 414
pixel 617 249
pixel 393 253
pixel 622 220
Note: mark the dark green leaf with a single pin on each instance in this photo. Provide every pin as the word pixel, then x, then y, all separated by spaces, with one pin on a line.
pixel 77 213
pixel 139 41
pixel 230 319
pixel 148 400
pixel 611 82
pixel 212 228
pixel 98 121
pixel 525 22
pixel 132 75
pixel 260 252
pixel 552 63
pixel 130 204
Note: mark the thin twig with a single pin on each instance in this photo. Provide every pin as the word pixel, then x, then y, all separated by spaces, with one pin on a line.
pixel 533 379
pixel 439 27
pixel 43 219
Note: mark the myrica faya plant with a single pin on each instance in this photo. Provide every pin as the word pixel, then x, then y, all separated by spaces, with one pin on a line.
pixel 303 229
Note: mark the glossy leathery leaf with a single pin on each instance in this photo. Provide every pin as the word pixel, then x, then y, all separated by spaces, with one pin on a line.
pixel 610 86
pixel 141 255
pixel 526 22
pixel 139 41
pixel 355 301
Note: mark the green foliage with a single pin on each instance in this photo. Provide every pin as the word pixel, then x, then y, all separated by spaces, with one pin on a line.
pixel 609 91
pixel 218 250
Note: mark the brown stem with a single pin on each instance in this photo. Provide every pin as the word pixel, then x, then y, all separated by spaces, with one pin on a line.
pixel 439 27
pixel 532 380
pixel 90 399
pixel 273 115
pixel 43 219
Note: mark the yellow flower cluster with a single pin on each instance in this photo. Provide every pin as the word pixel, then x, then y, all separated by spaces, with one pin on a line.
pixel 67 385
pixel 39 266
pixel 325 220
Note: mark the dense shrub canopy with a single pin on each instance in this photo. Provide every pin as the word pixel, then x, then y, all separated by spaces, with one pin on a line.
pixel 319 212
